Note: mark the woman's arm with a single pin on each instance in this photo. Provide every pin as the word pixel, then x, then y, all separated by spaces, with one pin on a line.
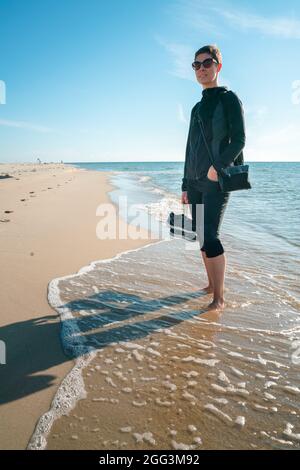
pixel 236 128
pixel 184 180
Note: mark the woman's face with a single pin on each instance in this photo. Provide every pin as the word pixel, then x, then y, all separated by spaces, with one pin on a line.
pixel 205 76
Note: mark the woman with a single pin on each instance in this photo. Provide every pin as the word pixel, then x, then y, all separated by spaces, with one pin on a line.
pixel 222 115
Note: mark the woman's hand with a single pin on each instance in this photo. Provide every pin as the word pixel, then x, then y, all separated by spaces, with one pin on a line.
pixel 212 174
pixel 184 198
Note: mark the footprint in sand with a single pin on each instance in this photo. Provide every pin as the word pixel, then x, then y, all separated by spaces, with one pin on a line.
pixel 5 176
pixel 22 200
pixel 49 188
pixel 8 212
pixel 4 220
pixel 31 192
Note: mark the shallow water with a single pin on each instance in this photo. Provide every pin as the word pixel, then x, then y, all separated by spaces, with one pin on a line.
pixel 159 352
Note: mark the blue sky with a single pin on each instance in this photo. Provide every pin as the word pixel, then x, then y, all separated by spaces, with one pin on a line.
pixel 97 80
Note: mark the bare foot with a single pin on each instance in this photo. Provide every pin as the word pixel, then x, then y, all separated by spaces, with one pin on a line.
pixel 208 289
pixel 216 305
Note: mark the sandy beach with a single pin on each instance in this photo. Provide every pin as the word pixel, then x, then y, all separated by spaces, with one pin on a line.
pixel 151 367
pixel 47 230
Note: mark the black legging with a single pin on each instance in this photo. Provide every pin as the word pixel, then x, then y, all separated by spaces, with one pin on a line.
pixel 214 204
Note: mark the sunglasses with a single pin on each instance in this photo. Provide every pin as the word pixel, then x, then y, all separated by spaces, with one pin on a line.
pixel 207 63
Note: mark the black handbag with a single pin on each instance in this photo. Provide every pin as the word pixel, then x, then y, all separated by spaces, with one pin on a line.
pixel 231 178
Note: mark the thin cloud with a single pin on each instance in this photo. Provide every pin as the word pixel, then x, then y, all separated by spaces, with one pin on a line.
pixel 181 56
pixel 258 114
pixel 202 16
pixel 181 115
pixel 275 144
pixel 25 125
pixel 195 15
pixel 275 26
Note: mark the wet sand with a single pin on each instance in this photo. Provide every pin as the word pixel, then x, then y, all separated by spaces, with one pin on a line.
pixel 160 371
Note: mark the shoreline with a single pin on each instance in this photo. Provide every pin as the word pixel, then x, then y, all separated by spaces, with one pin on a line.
pixel 34 254
pixel 167 372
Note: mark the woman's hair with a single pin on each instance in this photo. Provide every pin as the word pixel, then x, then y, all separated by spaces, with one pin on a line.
pixel 213 50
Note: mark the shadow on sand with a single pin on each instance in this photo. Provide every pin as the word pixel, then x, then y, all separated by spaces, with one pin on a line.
pixel 34 346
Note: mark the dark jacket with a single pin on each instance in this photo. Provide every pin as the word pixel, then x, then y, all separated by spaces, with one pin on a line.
pixel 224 125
